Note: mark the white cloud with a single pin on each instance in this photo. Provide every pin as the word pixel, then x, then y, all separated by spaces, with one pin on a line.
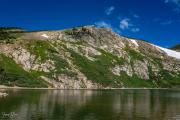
pixel 167 22
pixel 135 29
pixel 124 23
pixel 103 24
pixel 110 10
pixel 176 2
pixel 136 16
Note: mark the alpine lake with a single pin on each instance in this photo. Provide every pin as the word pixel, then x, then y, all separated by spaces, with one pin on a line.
pixel 119 104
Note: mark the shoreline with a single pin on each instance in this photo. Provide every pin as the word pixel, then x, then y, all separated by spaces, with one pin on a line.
pixel 26 88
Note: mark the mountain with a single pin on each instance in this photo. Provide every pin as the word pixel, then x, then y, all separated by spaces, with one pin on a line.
pixel 176 47
pixel 84 57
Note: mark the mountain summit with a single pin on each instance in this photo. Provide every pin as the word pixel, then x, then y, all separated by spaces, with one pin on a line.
pixel 84 57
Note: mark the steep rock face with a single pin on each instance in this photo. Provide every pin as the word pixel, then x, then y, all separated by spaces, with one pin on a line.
pixel 90 57
pixel 26 59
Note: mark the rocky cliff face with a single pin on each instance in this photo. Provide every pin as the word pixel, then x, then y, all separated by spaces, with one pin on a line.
pixel 86 57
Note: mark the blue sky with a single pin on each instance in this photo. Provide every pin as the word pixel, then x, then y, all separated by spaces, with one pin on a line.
pixel 157 21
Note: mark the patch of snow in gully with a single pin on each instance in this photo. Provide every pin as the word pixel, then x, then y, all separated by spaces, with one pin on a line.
pixel 170 53
pixel 45 35
pixel 134 41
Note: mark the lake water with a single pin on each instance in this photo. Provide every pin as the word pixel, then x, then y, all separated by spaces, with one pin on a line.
pixel 90 105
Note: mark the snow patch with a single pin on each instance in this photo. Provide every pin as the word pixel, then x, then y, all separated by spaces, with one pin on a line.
pixel 134 42
pixel 45 35
pixel 170 53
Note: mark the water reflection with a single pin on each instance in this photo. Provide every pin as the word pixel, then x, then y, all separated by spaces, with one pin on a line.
pixel 91 104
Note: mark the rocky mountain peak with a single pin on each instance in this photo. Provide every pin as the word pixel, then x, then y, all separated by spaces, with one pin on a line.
pixel 86 57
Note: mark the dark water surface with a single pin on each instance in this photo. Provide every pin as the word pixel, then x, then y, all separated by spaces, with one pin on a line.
pixel 90 105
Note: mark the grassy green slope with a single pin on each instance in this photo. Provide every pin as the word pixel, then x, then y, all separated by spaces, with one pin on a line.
pixel 12 74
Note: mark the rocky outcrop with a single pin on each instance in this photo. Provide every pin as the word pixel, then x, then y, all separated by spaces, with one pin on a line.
pixel 125 68
pixel 141 69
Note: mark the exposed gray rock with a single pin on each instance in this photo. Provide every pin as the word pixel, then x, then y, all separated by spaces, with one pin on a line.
pixel 125 68
pixel 141 69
